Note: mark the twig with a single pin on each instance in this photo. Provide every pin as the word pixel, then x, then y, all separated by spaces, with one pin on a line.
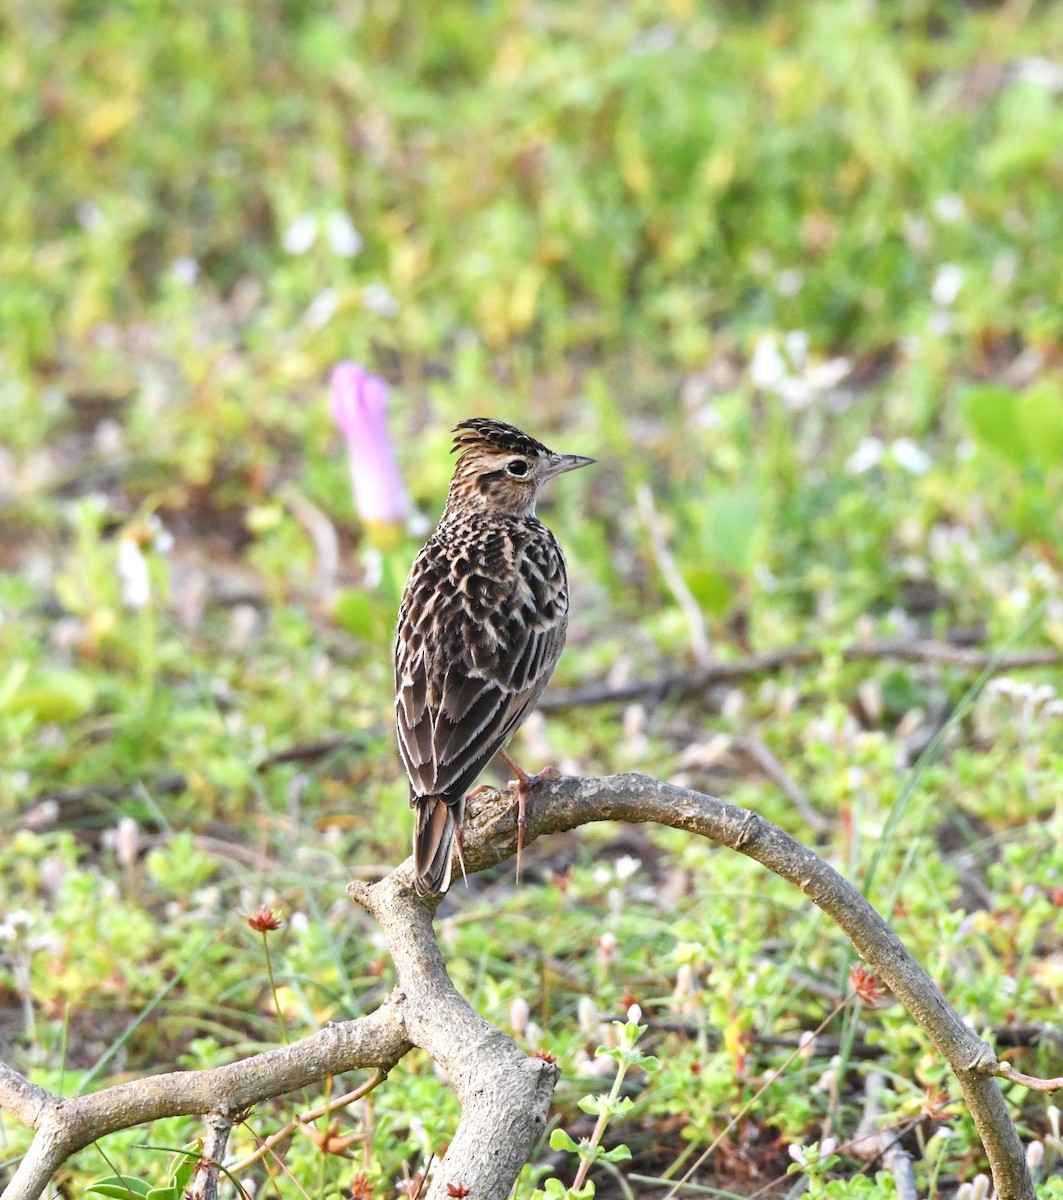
pixel 1006 1071
pixel 205 1181
pixel 762 757
pixel 699 678
pixel 322 533
pixel 673 577
pixel 870 1143
pixel 306 1118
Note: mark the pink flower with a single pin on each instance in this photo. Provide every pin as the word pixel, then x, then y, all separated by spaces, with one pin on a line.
pixel 359 408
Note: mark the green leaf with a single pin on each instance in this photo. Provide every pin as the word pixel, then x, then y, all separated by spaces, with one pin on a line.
pixel 170 1192
pixel 732 523
pixel 991 411
pixel 55 695
pixel 559 1140
pixel 618 1154
pixel 1040 417
pixel 120 1187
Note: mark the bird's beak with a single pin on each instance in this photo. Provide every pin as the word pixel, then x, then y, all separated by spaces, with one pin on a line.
pixel 560 463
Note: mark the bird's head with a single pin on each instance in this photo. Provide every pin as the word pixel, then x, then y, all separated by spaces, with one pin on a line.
pixel 502 470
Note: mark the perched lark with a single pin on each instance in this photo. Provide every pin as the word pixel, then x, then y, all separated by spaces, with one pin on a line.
pixel 481 626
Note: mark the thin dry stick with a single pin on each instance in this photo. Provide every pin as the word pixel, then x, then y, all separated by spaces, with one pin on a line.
pixel 205 1181
pixel 871 1143
pixel 1006 1071
pixel 697 679
pixel 306 1118
pixel 673 577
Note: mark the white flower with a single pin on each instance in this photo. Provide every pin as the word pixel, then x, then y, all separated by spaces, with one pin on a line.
pixel 767 367
pixel 342 235
pixel 378 299
pixel 949 208
pixel 789 282
pixel 132 570
pixel 519 1013
pixel 626 866
pixel 867 454
pixel 910 457
pixel 300 234
pixel 796 343
pixel 90 216
pixel 1041 72
pixel 321 309
pixel 185 270
pixel 634 1015
pixel 947 284
pixel 587 1015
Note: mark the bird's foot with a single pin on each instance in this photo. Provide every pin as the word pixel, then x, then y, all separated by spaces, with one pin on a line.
pixel 522 785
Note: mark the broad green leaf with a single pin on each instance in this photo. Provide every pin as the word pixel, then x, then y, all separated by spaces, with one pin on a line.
pixel 1040 417
pixel 560 1140
pixel 991 411
pixel 53 695
pixel 618 1154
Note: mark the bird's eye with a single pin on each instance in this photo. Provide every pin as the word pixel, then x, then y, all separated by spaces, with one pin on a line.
pixel 517 467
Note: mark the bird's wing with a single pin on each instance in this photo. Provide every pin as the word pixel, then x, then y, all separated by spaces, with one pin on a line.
pixel 473 654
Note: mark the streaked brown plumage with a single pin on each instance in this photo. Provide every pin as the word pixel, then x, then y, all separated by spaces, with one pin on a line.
pixel 481 626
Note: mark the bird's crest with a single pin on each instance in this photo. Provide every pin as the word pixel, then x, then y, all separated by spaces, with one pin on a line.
pixel 485 432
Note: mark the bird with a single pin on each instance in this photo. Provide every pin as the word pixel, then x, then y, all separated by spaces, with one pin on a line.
pixel 481 626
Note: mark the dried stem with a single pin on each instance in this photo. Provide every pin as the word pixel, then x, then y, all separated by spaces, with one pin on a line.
pixel 699 678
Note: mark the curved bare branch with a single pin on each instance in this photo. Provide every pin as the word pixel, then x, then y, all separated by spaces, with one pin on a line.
pixel 565 803
pixel 504 1094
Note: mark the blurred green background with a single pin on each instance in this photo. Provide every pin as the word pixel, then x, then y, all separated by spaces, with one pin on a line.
pixel 793 274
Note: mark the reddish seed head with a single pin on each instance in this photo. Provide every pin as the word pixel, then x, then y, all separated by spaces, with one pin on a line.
pixel 546 1056
pixel 264 921
pixel 867 985
pixel 457 1189
pixel 361 1188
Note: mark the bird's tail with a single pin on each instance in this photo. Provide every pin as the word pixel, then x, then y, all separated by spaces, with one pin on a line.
pixel 433 843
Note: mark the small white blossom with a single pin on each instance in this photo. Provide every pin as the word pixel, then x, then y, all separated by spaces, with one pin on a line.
pixel 185 270
pixel 90 216
pixel 300 234
pixel 342 235
pixel 910 457
pixel 519 1013
pixel 321 309
pixel 634 1015
pixel 950 208
pixel 378 299
pixel 132 570
pixel 796 343
pixel 868 454
pixel 1041 72
pixel 767 368
pixel 587 1015
pixel 947 284
pixel 789 282
pixel 626 866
